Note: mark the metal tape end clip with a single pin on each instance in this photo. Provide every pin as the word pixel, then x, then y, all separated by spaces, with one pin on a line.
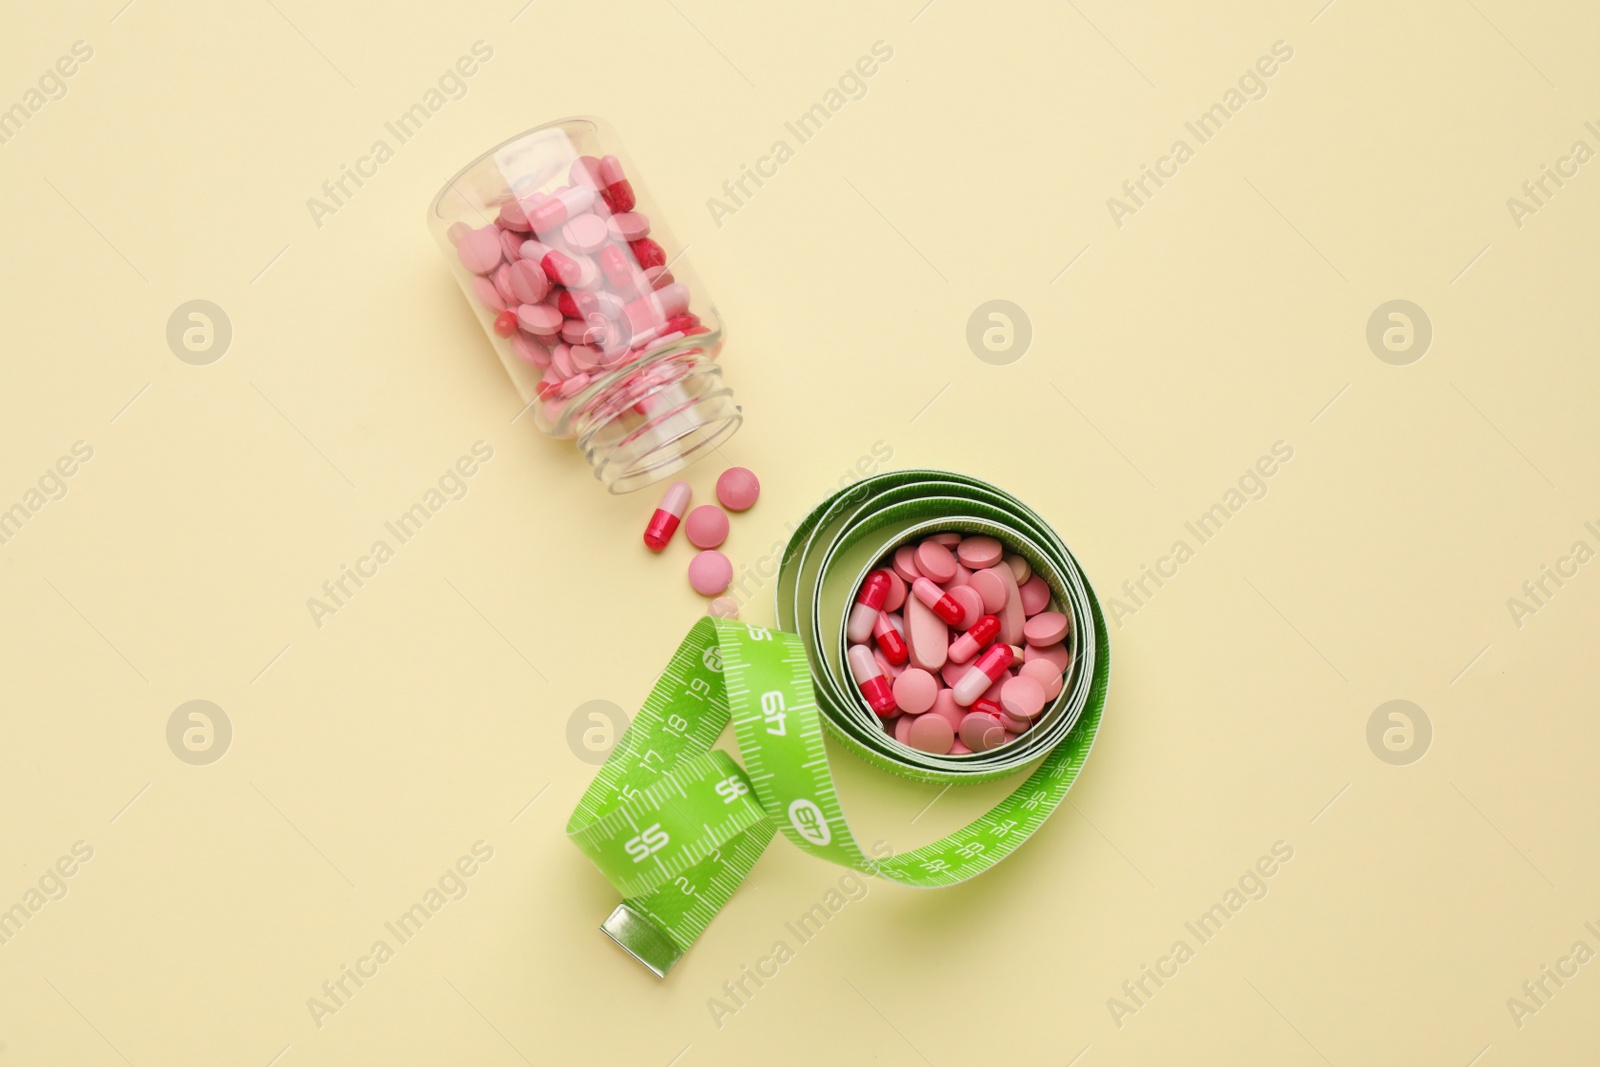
pixel 641 939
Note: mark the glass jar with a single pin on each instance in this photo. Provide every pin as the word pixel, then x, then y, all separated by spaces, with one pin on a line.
pixel 609 338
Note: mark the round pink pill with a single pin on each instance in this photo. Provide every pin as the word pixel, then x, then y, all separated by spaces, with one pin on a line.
pixel 915 690
pixel 905 563
pixel 1056 655
pixel 979 552
pixel 1035 594
pixel 706 526
pixel 944 703
pixel 897 593
pixel 502 284
pixel 588 358
pixel 738 489
pixel 931 733
pixel 1023 698
pixel 530 351
pixel 1047 674
pixel 981 732
pixel 513 217
pixel 487 294
pixel 710 572
pixel 480 249
pixel 511 245
pixel 629 225
pixel 991 587
pixel 541 320
pixel 936 561
pixel 586 233
pixel 953 672
pixel 527 281
pixel 561 361
pixel 1013 725
pixel 1021 569
pixel 1045 628
pixel 585 171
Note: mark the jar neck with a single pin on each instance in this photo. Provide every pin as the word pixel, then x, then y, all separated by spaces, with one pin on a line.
pixel 655 417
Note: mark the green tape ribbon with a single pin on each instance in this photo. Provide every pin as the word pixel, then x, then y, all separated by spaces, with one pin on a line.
pixel 676 825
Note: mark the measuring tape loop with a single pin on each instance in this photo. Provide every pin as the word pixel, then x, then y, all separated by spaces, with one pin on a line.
pixel 676 825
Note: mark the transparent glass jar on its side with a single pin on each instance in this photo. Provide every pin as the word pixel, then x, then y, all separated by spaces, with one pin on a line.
pixel 571 270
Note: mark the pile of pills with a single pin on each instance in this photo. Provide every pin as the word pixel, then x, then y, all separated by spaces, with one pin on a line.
pixel 706 527
pixel 578 287
pixel 956 644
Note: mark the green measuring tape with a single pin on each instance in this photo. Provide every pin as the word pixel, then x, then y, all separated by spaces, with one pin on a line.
pixel 676 825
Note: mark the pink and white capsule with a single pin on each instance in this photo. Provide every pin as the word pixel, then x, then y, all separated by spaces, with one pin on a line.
pixel 969 644
pixel 983 673
pixel 869 677
pixel 869 602
pixel 664 523
pixel 943 604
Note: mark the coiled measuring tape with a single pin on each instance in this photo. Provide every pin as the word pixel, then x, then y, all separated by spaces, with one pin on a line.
pixel 676 825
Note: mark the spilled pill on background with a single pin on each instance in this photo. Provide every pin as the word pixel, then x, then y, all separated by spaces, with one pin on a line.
pixel 668 514
pixel 738 489
pixel 706 526
pixel 710 572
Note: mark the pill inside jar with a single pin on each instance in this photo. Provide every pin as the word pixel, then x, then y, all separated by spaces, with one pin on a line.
pixel 588 300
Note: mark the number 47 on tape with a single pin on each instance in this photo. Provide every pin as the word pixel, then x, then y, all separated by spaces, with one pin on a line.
pixel 773 710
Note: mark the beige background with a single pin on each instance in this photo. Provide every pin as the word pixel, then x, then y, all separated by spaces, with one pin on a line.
pixel 432 711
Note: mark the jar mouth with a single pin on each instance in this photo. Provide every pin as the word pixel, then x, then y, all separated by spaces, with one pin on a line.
pixel 629 469
pixel 653 417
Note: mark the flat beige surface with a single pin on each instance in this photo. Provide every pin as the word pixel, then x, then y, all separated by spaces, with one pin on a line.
pixel 1227 312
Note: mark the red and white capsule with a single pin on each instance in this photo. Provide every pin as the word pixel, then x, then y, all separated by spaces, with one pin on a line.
pixel 943 604
pixel 869 677
pixel 890 641
pixel 869 602
pixel 617 191
pixel 664 523
pixel 983 673
pixel 969 644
